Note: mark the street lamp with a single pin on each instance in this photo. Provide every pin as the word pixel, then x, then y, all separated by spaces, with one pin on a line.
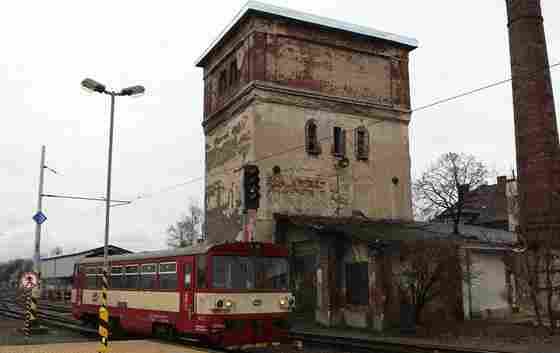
pixel 94 86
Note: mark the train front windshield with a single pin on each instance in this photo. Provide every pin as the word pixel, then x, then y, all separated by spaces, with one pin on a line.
pixel 243 272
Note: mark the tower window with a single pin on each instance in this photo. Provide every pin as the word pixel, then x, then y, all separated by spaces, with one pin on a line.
pixel 339 143
pixel 361 143
pixel 233 74
pixel 311 141
pixel 222 83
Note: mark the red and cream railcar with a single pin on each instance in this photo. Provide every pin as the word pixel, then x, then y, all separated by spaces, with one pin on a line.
pixel 233 294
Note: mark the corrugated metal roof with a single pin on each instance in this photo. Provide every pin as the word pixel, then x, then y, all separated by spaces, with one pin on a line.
pixel 308 18
pixel 112 248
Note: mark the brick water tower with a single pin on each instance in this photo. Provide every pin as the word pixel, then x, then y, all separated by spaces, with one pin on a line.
pixel 536 134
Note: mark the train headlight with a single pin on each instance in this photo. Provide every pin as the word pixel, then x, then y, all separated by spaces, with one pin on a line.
pixel 283 302
pixel 292 301
pixel 228 304
pixel 219 303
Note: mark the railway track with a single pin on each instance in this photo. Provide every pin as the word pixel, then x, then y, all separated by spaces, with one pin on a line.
pixel 351 344
pixel 12 310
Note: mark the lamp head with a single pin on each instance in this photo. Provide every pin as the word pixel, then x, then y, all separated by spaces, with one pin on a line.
pixel 92 86
pixel 133 91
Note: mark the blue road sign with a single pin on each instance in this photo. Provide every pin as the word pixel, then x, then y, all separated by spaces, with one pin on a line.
pixel 39 217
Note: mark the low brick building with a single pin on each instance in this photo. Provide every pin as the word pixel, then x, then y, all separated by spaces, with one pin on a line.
pixel 344 269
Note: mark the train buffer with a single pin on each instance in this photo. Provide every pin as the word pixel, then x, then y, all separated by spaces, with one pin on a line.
pixel 136 346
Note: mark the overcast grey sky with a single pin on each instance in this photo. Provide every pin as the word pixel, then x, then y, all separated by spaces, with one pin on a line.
pixel 48 47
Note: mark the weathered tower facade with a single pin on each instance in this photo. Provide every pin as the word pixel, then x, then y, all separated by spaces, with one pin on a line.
pixel 321 107
pixel 536 133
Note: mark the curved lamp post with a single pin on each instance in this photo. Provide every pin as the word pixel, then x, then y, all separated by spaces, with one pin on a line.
pixel 94 86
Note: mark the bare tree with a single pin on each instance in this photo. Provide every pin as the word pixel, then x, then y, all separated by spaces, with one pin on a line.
pixel 441 187
pixel 188 229
pixel 431 271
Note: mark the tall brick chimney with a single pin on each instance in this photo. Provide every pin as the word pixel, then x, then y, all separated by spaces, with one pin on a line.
pixel 536 135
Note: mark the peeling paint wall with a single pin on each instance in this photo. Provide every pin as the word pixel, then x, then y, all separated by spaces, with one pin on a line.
pixel 290 73
pixel 228 146
pixel 313 185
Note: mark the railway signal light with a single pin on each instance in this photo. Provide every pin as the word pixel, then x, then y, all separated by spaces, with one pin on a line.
pixel 251 187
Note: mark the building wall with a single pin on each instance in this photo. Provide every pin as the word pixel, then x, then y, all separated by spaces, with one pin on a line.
pixel 290 73
pixel 228 146
pixel 313 185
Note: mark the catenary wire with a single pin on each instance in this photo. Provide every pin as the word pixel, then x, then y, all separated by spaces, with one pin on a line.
pixel 437 102
pixel 144 196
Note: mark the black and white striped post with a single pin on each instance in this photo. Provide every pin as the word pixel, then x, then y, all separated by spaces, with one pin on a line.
pixel 27 324
pixel 104 315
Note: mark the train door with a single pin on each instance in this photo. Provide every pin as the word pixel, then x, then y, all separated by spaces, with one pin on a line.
pixel 186 311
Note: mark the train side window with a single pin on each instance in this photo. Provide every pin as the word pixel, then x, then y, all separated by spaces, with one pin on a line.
pixel 168 275
pixel 117 277
pixel 91 278
pixel 201 271
pixel 131 277
pixel 188 276
pixel 148 276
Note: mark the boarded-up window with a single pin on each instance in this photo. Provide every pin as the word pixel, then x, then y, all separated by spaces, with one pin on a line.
pixel 168 275
pixel 357 283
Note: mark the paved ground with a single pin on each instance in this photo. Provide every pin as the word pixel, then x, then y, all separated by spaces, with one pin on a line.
pixel 137 346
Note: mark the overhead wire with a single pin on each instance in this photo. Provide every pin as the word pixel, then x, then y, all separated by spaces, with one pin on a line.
pixel 148 195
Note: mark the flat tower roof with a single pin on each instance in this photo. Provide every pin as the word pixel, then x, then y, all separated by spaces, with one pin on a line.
pixel 260 7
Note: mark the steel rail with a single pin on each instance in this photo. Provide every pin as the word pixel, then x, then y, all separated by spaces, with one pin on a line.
pixel 353 344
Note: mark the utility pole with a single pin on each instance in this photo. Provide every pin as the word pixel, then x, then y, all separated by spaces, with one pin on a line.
pixel 39 219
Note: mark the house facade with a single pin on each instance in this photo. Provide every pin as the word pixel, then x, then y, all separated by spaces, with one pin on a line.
pixel 489 205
